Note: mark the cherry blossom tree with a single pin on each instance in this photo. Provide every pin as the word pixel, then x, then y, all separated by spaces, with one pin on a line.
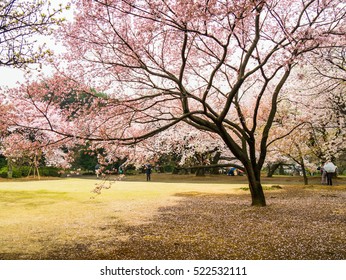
pixel 331 111
pixel 316 99
pixel 218 66
pixel 201 62
pixel 322 100
pixel 296 147
pixel 24 148
pixel 29 113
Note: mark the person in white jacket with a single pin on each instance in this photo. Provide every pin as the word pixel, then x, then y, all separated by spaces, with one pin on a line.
pixel 330 168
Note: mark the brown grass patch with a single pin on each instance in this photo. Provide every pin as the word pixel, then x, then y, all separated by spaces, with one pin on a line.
pixel 175 221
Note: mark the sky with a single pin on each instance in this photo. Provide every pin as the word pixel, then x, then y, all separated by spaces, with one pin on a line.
pixel 10 77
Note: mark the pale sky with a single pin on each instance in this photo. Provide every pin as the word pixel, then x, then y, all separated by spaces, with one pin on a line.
pixel 10 77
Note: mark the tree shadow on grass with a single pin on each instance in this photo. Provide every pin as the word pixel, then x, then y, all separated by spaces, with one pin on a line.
pixel 296 225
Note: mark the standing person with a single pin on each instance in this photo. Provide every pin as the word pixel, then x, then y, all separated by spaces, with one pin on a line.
pixel 330 169
pixel 148 171
pixel 97 170
pixel 323 175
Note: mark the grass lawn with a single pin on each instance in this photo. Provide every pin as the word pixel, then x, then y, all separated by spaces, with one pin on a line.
pixel 172 217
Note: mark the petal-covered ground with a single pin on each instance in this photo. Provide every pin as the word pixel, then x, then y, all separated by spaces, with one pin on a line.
pixel 298 223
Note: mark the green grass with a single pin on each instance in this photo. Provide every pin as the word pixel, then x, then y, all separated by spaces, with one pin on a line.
pixel 35 212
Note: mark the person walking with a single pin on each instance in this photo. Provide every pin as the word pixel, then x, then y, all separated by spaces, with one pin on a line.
pixel 330 169
pixel 323 175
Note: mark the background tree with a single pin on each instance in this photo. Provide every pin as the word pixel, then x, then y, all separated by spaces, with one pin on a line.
pixel 191 149
pixel 317 100
pixel 296 148
pixel 331 127
pixel 322 100
pixel 26 133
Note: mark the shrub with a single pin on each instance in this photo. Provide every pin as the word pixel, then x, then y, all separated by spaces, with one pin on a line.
pixel 131 172
pixel 168 168
pixel 23 171
pixel 3 161
pixel 3 172
pixel 49 171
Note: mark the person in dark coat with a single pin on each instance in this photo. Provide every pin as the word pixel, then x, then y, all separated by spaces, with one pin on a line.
pixel 148 171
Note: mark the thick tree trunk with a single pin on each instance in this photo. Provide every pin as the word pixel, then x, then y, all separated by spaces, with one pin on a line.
pixel 257 194
pixel 272 168
pixel 281 170
pixel 215 161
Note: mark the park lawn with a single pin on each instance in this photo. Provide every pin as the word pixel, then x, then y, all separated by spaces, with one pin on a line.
pixel 172 217
pixel 35 214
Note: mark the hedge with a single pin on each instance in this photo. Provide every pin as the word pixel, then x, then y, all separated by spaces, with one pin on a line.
pixel 23 171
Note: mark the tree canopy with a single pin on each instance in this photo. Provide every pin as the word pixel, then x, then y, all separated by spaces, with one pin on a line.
pixel 220 67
